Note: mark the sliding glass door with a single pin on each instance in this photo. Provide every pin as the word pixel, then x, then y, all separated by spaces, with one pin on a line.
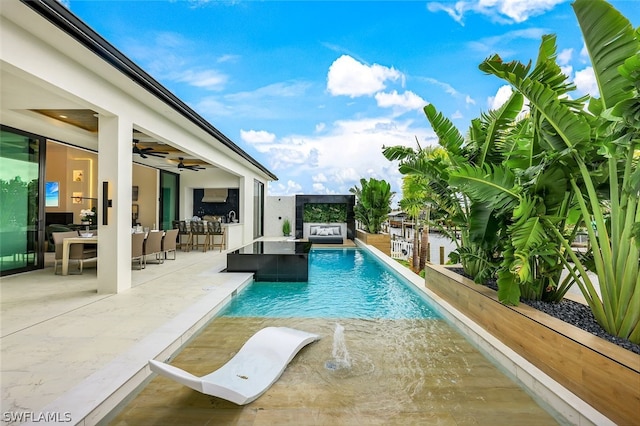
pixel 169 200
pixel 21 247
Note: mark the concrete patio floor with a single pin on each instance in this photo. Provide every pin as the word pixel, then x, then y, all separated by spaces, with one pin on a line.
pixel 74 354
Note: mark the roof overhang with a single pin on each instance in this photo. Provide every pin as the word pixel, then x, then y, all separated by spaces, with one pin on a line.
pixel 129 73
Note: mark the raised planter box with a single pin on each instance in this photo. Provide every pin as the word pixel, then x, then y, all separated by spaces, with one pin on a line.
pixel 602 374
pixel 380 241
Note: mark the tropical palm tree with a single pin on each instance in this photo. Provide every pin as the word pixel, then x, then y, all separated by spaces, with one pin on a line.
pixel 475 249
pixel 412 203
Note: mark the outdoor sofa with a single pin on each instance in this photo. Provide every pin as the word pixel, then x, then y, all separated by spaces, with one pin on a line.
pixel 326 234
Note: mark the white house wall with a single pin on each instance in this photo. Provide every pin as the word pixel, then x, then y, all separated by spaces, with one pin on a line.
pixel 277 209
pixel 56 72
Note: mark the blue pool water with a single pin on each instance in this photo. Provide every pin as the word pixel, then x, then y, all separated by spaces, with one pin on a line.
pixel 343 283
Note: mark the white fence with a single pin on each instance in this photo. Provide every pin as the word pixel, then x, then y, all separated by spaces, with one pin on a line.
pixel 401 249
pixel 438 252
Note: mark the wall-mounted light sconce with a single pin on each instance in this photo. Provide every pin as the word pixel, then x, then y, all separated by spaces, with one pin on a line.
pixel 106 203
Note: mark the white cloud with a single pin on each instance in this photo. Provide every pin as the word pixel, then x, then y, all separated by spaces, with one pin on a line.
pixel 257 136
pixel 502 42
pixel 212 107
pixel 501 11
pixel 285 157
pixel 351 78
pixel 469 100
pixel 207 79
pixel 521 10
pixel 456 115
pixel 347 151
pixel 318 188
pixel 228 58
pixel 406 101
pixel 289 89
pixel 502 95
pixel 565 56
pixel 320 127
pixel 266 102
pixel 171 56
pixel 445 86
pixel 347 175
pixel 320 177
pixel 290 188
pixel 456 11
pixel 585 81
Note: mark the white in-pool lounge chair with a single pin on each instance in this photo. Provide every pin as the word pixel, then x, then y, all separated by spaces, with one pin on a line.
pixel 257 365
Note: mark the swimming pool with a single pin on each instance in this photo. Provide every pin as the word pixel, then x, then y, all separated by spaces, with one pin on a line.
pixel 399 365
pixel 343 283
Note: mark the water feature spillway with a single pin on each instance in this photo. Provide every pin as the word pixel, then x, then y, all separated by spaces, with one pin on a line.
pixel 341 358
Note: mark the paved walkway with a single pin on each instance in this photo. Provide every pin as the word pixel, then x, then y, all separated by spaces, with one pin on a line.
pixel 70 353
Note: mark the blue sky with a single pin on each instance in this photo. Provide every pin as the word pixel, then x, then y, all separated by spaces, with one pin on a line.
pixel 313 90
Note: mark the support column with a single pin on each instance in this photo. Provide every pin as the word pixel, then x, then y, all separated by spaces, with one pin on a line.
pixel 246 209
pixel 114 238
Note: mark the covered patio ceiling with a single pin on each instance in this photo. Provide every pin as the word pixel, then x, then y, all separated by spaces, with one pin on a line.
pixel 152 152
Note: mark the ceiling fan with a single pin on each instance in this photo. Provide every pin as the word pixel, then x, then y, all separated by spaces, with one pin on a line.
pixel 194 167
pixel 144 152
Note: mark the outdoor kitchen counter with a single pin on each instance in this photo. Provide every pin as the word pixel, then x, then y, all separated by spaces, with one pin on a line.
pixel 233 234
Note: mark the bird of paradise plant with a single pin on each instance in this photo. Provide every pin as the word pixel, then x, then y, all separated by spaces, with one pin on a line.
pixel 598 150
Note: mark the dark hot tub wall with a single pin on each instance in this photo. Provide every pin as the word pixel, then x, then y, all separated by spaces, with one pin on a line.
pixel 349 200
pixel 216 209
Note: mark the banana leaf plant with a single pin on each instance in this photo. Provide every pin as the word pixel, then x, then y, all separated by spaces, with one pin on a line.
pixel 373 203
pixel 598 150
pixel 526 185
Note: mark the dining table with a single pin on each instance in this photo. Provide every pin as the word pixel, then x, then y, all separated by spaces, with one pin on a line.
pixel 66 244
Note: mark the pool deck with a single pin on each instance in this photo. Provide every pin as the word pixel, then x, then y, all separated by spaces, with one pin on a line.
pixel 67 350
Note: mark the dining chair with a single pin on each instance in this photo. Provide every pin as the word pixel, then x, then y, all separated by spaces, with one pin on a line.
pixel 78 252
pixel 153 246
pixel 137 249
pixel 198 229
pixel 49 230
pixel 215 229
pixel 169 243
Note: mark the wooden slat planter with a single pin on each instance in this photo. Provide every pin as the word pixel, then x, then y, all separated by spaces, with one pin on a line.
pixel 380 241
pixel 602 374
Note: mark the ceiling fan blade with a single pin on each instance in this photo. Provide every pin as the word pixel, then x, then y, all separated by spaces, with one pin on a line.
pixel 182 166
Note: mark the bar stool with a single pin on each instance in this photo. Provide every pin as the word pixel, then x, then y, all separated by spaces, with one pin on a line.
pixel 199 229
pixel 215 229
pixel 183 229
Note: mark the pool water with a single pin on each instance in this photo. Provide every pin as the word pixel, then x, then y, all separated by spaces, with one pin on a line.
pixel 343 283
pixel 384 358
